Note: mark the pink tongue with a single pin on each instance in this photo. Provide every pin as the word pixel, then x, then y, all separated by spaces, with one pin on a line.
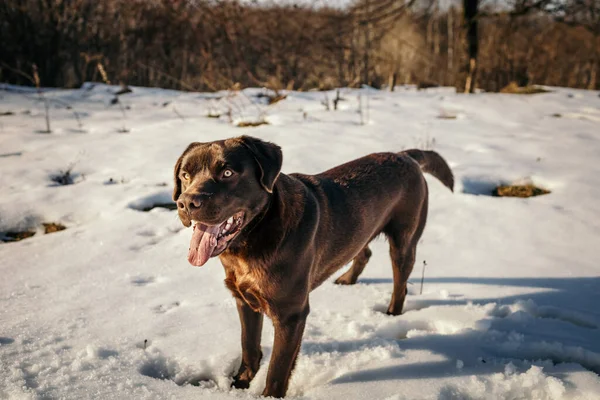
pixel 204 241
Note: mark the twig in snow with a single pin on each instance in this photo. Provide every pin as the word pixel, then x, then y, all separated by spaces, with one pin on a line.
pixel 325 102
pixel 36 80
pixel 116 100
pixel 337 99
pixel 423 276
pixel 360 110
pixel 65 177
pixel 368 108
pixel 178 114
pixel 124 129
pixel 69 107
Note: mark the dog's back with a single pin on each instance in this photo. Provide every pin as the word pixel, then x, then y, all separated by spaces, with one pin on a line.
pixel 358 200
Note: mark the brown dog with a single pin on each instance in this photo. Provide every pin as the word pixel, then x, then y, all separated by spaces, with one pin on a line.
pixel 280 236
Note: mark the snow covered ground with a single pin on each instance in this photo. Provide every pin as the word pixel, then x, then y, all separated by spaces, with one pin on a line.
pixel 110 308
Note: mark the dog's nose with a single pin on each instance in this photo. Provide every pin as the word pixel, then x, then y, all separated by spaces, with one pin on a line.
pixel 189 202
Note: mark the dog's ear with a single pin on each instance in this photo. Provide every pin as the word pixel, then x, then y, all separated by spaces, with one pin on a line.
pixel 268 156
pixel 177 188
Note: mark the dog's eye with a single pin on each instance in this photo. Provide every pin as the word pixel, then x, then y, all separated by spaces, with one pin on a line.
pixel 186 176
pixel 227 173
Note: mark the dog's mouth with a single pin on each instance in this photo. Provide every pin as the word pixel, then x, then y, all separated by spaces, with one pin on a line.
pixel 211 240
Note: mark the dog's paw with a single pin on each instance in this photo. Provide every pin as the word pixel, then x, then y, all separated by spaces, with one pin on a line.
pixel 240 383
pixel 244 376
pixel 343 280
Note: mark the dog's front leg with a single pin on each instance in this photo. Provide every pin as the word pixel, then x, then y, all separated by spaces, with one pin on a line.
pixel 251 322
pixel 288 336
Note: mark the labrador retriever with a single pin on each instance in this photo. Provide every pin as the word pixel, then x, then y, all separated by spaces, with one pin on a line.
pixel 280 236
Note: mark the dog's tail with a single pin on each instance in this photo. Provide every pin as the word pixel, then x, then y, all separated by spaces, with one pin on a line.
pixel 431 162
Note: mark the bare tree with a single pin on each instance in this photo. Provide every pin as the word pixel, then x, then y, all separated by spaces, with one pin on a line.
pixel 470 11
pixel 215 45
pixel 586 14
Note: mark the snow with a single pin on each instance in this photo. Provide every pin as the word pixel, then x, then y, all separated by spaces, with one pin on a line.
pixel 109 308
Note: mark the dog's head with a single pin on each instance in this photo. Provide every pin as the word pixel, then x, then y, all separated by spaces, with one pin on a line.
pixel 220 187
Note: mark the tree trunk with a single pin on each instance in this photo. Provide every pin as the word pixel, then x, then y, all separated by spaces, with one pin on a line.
pixel 450 66
pixel 367 49
pixel 594 63
pixel 593 75
pixel 470 82
pixel 392 80
pixel 470 12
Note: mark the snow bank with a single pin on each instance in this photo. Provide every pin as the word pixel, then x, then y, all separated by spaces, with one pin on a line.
pixel 109 307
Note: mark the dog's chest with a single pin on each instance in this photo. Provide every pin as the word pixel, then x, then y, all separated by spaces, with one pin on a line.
pixel 244 285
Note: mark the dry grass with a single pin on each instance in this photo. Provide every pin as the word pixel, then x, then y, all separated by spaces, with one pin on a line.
pixel 446 116
pixel 277 98
pixel 251 124
pixel 513 88
pixel 51 227
pixel 523 191
pixel 66 177
pixel 63 178
pixel 16 236
pixel 272 98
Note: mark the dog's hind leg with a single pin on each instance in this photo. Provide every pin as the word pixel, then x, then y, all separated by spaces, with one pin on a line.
pixel 403 240
pixel 403 260
pixel 358 265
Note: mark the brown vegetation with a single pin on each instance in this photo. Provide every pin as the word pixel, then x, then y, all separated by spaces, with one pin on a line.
pixel 206 45
pixel 519 191
pixel 51 227
pixel 251 124
pixel 513 88
pixel 15 236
